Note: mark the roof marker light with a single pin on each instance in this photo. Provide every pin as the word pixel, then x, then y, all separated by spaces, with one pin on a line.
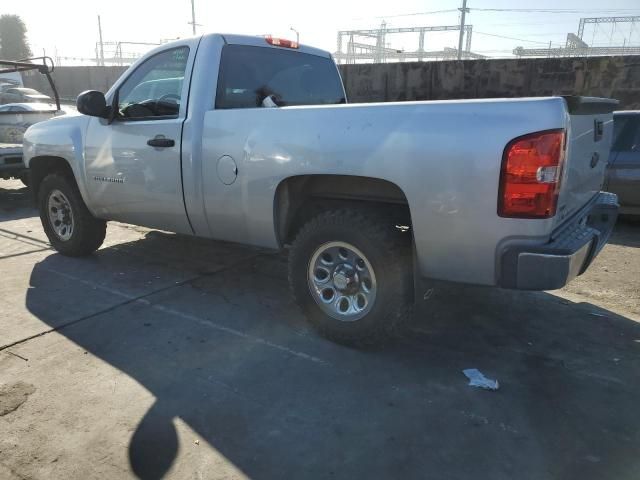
pixel 280 42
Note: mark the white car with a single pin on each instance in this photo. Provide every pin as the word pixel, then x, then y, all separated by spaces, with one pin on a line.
pixel 15 118
pixel 36 107
pixel 22 94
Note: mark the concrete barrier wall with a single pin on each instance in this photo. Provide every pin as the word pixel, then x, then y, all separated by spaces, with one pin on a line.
pixel 615 77
pixel 70 81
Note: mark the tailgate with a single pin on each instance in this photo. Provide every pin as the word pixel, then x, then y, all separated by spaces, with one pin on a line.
pixel 589 142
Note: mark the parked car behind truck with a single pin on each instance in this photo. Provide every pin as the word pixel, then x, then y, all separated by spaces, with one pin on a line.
pixel 15 118
pixel 623 173
pixel 24 95
pixel 257 146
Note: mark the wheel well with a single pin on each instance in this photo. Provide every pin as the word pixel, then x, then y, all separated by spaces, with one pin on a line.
pixel 302 197
pixel 40 167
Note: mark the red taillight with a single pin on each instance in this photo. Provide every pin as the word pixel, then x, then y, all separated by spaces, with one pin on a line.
pixel 280 42
pixel 530 177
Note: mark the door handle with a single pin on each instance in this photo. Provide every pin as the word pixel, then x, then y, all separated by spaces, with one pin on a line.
pixel 161 142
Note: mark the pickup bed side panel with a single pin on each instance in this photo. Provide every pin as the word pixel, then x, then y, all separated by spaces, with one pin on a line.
pixel 445 156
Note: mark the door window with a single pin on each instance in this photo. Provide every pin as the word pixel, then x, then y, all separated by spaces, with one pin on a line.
pixel 154 89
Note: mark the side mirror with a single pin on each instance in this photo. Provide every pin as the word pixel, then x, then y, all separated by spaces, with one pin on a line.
pixel 93 103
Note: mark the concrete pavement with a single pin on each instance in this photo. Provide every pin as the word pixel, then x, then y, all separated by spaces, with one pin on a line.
pixel 170 357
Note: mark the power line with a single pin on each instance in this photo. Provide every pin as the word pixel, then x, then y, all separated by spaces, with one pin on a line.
pixel 509 38
pixel 557 10
pixel 513 24
pixel 434 12
pixel 519 10
pixel 420 13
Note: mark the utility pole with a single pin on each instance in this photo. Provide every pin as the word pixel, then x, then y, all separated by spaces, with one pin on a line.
pixel 193 16
pixel 464 10
pixel 101 43
pixel 297 35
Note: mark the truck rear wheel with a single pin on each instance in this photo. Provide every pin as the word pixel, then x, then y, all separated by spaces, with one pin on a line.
pixel 69 225
pixel 350 272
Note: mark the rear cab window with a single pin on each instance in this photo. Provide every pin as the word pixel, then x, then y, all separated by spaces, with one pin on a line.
pixel 249 74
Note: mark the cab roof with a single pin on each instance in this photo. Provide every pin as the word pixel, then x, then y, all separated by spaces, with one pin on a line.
pixel 253 41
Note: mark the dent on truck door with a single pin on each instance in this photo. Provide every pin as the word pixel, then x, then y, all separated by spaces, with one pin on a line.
pixel 133 164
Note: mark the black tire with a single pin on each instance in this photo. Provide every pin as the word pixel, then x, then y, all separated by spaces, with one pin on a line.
pixel 386 248
pixel 88 231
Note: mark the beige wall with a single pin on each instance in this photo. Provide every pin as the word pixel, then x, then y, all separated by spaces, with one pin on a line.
pixel 616 77
pixel 70 81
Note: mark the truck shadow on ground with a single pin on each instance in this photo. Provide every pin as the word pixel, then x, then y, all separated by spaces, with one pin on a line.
pixel 227 352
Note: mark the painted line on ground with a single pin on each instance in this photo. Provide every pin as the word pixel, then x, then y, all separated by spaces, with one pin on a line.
pixel 233 331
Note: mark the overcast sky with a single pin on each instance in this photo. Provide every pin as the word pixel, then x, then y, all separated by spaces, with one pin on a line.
pixel 70 26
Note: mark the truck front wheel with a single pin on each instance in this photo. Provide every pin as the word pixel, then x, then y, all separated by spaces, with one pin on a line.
pixel 350 271
pixel 69 225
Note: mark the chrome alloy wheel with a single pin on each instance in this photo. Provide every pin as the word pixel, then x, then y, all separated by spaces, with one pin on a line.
pixel 60 215
pixel 342 281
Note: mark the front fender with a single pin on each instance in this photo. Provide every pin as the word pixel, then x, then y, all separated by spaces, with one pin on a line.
pixel 61 137
pixel 58 137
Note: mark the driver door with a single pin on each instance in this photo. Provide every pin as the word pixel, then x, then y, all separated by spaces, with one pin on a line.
pixel 133 164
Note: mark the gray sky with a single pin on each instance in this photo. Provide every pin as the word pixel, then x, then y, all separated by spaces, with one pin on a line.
pixel 70 26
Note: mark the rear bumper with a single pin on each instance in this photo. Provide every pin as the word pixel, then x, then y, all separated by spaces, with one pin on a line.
pixel 570 252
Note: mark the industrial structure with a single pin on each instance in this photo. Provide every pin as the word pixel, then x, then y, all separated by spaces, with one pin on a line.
pixel 371 45
pixel 121 53
pixel 375 45
pixel 576 46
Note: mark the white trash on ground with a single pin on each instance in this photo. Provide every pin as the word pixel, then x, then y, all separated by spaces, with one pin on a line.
pixel 477 379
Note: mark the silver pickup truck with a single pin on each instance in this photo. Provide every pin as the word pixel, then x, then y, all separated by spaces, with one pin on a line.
pixel 251 140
